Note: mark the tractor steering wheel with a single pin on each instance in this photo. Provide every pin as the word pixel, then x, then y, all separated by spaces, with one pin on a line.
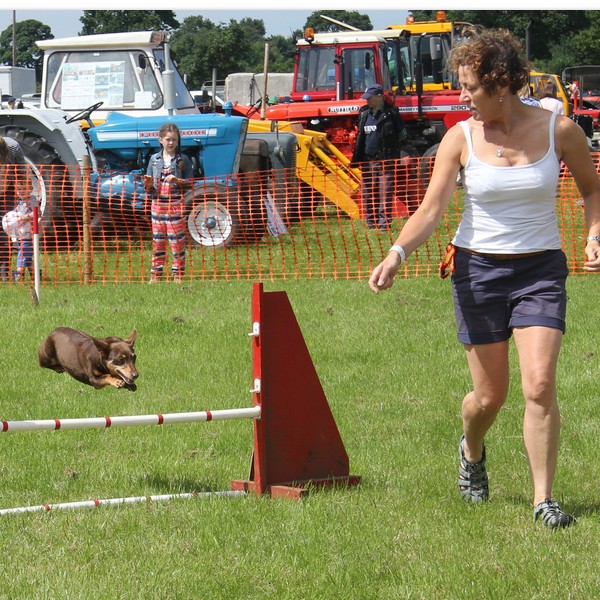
pixel 85 113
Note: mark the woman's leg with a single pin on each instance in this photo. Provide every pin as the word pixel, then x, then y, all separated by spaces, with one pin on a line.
pixel 538 349
pixel 488 364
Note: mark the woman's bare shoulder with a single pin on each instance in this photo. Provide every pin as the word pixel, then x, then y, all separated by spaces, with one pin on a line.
pixel 568 134
pixel 454 142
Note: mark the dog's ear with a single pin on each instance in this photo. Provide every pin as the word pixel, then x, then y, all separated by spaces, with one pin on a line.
pixel 132 337
pixel 102 346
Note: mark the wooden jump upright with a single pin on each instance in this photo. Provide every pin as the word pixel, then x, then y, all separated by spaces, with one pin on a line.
pixel 297 444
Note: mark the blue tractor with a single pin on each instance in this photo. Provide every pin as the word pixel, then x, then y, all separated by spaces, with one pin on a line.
pixel 228 201
pixel 237 175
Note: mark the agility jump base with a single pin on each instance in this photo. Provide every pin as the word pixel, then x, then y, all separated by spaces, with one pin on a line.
pixel 297 445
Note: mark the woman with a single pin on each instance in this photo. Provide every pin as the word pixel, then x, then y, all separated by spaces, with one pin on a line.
pixel 509 270
pixel 165 183
pixel 549 101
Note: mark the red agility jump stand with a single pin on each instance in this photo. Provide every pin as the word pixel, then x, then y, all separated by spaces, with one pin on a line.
pixel 297 444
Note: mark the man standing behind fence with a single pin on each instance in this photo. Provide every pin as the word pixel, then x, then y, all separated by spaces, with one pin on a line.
pixel 13 185
pixel 381 134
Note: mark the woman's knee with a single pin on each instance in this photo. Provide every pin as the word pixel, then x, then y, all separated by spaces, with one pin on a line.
pixel 485 403
pixel 540 389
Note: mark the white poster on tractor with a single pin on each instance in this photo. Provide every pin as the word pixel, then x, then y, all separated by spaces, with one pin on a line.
pixel 85 83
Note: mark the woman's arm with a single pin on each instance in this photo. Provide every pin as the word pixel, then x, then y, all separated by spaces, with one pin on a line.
pixel 424 220
pixel 573 149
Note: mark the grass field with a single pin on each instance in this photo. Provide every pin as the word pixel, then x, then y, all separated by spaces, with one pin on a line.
pixel 394 376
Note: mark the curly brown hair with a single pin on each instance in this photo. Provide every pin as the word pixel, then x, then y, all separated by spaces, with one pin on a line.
pixel 495 57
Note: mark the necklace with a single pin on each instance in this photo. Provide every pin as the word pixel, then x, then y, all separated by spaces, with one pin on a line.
pixel 499 151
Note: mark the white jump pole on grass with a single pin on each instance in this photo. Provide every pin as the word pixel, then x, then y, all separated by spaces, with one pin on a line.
pixel 126 421
pixel 114 501
pixel 132 421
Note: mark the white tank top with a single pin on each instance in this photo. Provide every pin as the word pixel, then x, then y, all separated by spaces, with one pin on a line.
pixel 509 210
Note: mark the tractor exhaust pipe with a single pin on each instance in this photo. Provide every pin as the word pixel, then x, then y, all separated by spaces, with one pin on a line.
pixel 169 80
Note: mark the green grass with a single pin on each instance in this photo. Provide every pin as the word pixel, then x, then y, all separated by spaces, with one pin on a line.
pixel 394 376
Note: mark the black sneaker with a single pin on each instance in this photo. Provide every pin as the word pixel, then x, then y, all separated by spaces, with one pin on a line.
pixel 552 515
pixel 472 477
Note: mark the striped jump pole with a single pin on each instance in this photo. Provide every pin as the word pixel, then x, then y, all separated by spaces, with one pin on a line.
pixel 126 421
pixel 115 502
pixel 132 420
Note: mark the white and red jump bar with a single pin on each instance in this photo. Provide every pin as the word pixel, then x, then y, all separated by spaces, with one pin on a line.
pixel 132 420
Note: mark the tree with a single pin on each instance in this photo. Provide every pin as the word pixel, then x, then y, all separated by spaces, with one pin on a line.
pixel 351 17
pixel 199 45
pixel 28 54
pixel 550 30
pixel 588 40
pixel 251 57
pixel 281 54
pixel 113 21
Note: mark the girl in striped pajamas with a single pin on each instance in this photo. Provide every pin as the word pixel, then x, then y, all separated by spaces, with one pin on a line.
pixel 168 175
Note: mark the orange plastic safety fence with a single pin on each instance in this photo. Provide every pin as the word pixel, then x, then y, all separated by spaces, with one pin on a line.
pixel 302 223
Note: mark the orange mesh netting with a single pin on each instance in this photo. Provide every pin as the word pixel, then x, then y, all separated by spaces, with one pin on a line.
pixel 299 223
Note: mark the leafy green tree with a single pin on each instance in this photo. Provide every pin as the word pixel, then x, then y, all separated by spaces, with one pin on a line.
pixel 351 17
pixel 563 54
pixel 549 30
pixel 281 54
pixel 114 21
pixel 588 40
pixel 28 54
pixel 199 45
pixel 251 56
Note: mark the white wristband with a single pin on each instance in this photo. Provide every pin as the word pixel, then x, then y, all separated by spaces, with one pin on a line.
pixel 593 238
pixel 400 251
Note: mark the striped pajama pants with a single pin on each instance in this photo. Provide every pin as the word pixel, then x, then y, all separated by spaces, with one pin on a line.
pixel 168 228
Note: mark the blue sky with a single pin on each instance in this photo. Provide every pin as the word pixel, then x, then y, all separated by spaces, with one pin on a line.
pixel 66 23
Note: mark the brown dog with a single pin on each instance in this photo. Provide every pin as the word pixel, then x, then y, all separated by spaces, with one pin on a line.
pixel 93 361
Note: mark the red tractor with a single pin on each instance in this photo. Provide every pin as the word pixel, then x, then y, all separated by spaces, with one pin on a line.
pixel 332 70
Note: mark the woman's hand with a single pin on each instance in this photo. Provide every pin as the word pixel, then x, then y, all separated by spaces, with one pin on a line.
pixel 384 273
pixel 592 252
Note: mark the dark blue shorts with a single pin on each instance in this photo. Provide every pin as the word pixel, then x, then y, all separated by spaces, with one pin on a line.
pixel 492 296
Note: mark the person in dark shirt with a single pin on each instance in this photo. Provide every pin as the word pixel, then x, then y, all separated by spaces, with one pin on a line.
pixel 381 135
